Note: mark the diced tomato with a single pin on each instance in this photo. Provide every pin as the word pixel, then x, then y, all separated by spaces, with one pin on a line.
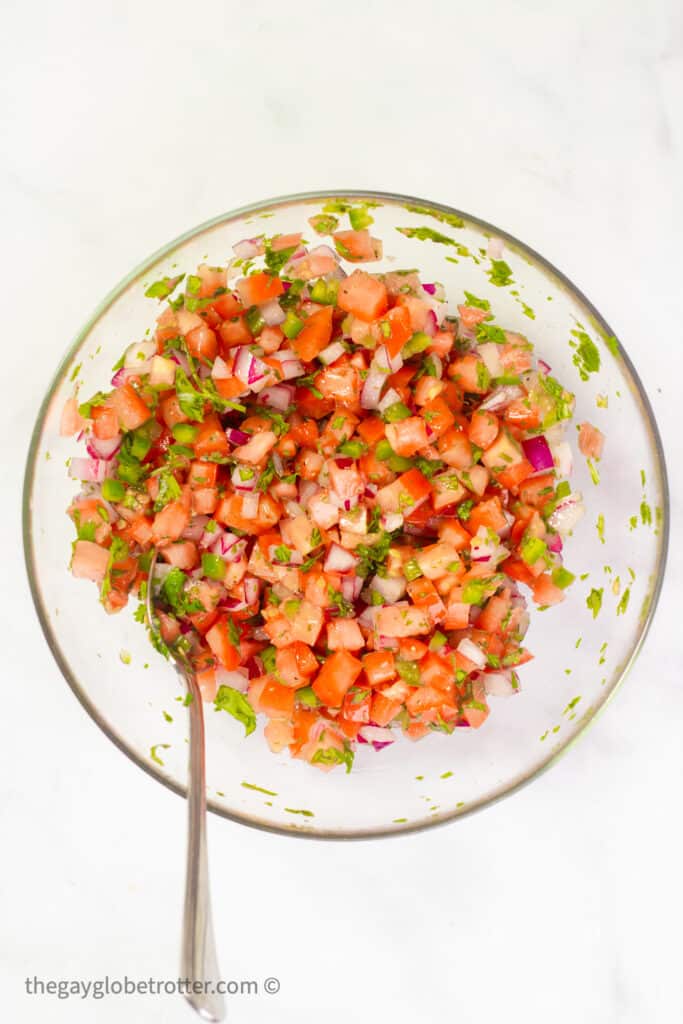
pixel 105 422
pixel 470 373
pixel 407 436
pixel 383 710
pixel 129 407
pixel 344 635
pixel 89 561
pixel 396 329
pixel 211 438
pixel 259 288
pixel 355 245
pixel 483 429
pixel 362 295
pixel 591 441
pixel 315 336
pixel 277 700
pixel 220 642
pixel 336 677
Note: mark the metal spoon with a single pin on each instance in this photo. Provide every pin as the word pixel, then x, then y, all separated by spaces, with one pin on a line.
pixel 198 961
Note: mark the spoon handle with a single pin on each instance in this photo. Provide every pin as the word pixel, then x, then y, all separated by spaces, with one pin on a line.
pixel 199 962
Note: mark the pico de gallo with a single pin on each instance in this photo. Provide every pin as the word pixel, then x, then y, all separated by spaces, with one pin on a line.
pixel 353 487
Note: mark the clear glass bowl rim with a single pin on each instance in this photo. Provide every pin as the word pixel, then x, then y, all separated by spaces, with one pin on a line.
pixel 141 269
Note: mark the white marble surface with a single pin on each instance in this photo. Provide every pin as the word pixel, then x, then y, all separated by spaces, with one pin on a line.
pixel 125 124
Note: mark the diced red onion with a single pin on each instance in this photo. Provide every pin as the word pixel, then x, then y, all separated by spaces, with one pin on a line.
pixel 291 369
pixel 103 449
pixel 537 451
pixel 544 367
pixel 181 359
pixel 248 248
pixel 387 643
pixel 208 539
pixel 272 313
pixel 277 397
pixel 554 542
pixel 431 323
pixel 338 559
pixel 391 521
pixel 236 436
pixel 251 589
pixel 92 470
pixel 244 486
pixel 429 288
pixel 248 368
pixel 376 734
pixel 225 543
pixel 195 528
pixel 119 378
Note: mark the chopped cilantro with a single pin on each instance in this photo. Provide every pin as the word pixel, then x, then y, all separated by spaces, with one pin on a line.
pixel 594 601
pixel 236 704
pixel 500 273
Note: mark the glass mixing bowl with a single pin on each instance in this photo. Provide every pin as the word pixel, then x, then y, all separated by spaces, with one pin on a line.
pixel 580 659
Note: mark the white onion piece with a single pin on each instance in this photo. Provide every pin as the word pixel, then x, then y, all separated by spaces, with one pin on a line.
pixel 499 684
pixel 250 503
pixel 272 313
pixel 238 680
pixel 567 514
pixel 368 616
pixel 392 521
pixel 340 560
pixel 372 387
pixel 489 353
pixel 219 370
pixel 139 354
pixel 562 455
pixel 376 734
pixel 470 650
pixel 162 372
pixel 501 397
pixel 389 399
pixel 494 250
pixel 392 588
pixel 331 353
pixel 307 489
pixel 437 364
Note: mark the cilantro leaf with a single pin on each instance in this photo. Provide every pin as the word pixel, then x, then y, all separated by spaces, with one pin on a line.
pixel 236 704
